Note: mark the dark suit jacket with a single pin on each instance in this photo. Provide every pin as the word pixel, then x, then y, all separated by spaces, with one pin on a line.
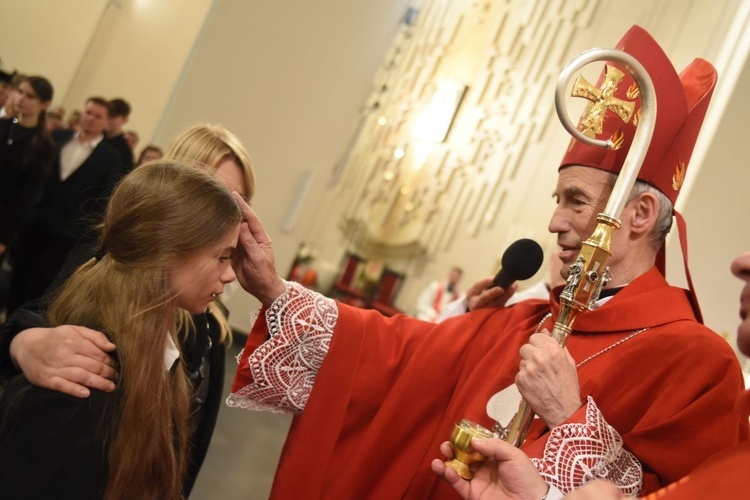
pixel 69 208
pixel 22 176
pixel 119 143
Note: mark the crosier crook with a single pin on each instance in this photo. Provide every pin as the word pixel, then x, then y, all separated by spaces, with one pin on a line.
pixel 590 272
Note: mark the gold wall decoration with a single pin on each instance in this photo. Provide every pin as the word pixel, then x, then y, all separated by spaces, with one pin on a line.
pixel 463 91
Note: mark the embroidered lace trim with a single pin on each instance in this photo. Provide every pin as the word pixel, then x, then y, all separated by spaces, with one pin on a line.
pixel 576 453
pixel 284 367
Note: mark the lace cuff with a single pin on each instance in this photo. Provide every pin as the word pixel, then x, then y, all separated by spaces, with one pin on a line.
pixel 576 453
pixel 283 369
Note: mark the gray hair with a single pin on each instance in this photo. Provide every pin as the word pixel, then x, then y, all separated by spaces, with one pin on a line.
pixel 664 217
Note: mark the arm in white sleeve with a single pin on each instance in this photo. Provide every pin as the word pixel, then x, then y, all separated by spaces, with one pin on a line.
pixel 578 452
pixel 284 368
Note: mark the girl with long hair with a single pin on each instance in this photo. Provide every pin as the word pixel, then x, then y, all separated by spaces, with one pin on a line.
pixel 164 254
pixel 26 156
pixel 71 360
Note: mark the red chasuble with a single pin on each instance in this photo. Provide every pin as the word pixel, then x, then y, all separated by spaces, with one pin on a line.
pixel 390 390
pixel 726 475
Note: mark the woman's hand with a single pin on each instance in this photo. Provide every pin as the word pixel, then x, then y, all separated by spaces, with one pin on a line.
pixel 67 359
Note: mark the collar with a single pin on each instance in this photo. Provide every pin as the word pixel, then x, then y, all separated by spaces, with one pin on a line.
pixel 171 354
pixel 638 305
pixel 92 143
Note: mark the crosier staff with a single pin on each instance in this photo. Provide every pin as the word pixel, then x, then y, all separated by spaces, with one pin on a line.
pixel 590 271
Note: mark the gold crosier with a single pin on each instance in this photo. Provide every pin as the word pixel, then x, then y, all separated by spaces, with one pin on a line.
pixel 590 271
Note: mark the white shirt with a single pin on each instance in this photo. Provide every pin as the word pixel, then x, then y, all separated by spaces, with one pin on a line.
pixel 74 153
pixel 171 353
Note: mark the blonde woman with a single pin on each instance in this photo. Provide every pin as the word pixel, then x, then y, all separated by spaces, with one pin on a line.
pixel 73 359
pixel 164 254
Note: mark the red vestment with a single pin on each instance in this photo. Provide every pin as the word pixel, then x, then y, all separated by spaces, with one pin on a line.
pixel 390 390
pixel 725 475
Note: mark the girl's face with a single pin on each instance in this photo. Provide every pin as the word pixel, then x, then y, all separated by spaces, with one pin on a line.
pixel 196 281
pixel 27 102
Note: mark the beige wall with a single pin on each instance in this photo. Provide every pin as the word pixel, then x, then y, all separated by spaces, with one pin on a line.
pixel 135 49
pixel 48 37
pixel 138 52
pixel 717 206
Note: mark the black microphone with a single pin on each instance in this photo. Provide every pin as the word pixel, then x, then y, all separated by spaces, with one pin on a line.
pixel 521 261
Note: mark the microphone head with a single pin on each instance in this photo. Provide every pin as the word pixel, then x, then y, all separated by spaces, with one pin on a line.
pixel 522 259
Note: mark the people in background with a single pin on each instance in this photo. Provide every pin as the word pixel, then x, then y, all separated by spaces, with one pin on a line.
pixel 132 138
pixel 9 109
pixel 5 87
pixel 304 273
pixel 437 295
pixel 55 120
pixel 26 157
pixel 150 152
pixel 74 120
pixel 119 116
pixel 164 254
pixel 72 202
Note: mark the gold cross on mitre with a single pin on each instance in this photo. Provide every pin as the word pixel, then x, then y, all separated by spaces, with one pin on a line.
pixel 602 99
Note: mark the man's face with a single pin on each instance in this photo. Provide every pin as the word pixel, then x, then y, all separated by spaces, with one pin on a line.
pixel 454 276
pixel 115 125
pixel 94 119
pixel 5 89
pixel 741 269
pixel 11 103
pixel 581 194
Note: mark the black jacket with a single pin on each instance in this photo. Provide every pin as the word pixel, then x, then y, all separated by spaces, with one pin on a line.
pixel 122 147
pixel 69 207
pixel 22 175
pixel 203 356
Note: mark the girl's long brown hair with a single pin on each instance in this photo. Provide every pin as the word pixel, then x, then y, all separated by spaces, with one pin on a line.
pixel 159 214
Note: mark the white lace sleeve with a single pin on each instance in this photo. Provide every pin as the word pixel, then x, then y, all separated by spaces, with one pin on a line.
pixel 576 453
pixel 284 368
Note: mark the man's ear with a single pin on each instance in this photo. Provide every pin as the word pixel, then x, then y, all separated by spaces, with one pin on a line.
pixel 645 211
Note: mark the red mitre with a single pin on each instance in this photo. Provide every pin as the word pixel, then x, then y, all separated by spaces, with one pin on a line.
pixel 681 101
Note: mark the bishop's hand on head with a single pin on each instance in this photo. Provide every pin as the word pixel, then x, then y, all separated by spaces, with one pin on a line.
pixel 253 260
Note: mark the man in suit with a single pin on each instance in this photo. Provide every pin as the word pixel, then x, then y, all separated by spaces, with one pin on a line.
pixel 73 201
pixel 119 115
pixel 5 87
